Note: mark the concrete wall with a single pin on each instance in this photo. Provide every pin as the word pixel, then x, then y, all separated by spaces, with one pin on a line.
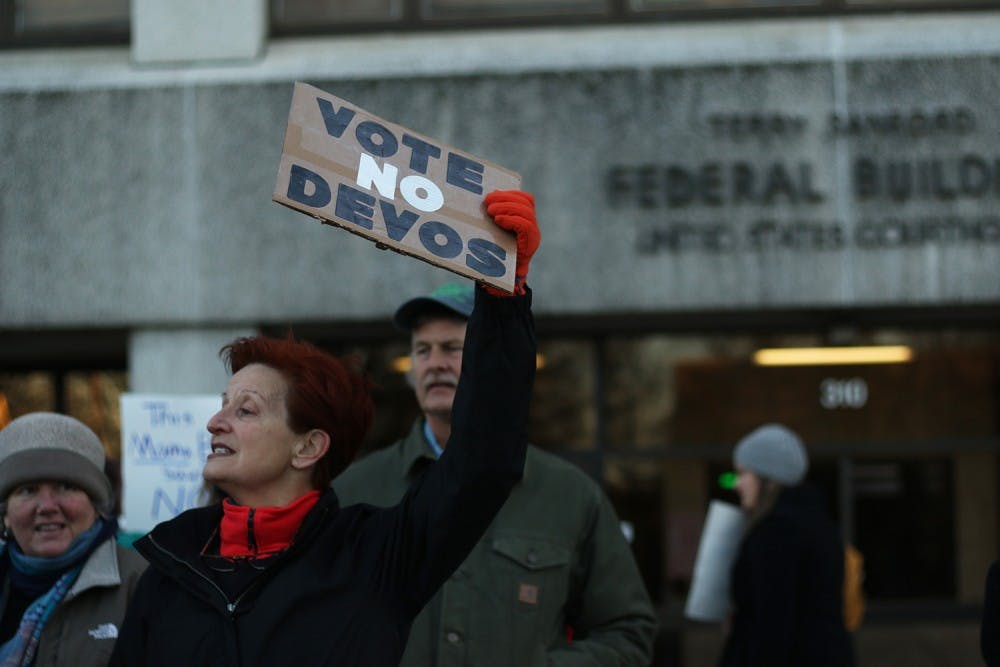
pixel 676 168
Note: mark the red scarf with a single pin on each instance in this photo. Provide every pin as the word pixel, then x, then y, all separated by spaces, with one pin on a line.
pixel 261 531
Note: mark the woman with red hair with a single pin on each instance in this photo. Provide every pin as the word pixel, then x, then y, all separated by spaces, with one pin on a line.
pixel 278 573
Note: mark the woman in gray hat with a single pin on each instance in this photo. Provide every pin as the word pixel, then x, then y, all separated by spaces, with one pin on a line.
pixel 788 578
pixel 66 583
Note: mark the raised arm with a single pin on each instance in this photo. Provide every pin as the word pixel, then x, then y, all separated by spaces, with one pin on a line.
pixel 445 513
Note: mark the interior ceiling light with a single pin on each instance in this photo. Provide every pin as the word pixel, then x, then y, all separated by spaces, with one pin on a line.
pixel 401 364
pixel 833 356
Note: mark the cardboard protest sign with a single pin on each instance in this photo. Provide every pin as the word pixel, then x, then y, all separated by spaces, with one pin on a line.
pixel 396 187
pixel 164 447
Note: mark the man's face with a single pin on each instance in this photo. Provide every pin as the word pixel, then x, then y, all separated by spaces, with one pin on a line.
pixel 436 355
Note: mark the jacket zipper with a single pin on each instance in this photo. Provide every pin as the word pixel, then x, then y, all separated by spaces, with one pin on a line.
pixel 230 606
pixel 251 538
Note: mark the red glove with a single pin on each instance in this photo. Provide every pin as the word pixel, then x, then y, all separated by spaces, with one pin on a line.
pixel 514 211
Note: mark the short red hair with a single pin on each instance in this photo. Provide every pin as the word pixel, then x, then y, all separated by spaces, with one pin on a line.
pixel 324 392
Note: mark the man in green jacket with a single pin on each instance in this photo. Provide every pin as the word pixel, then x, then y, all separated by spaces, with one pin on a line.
pixel 553 581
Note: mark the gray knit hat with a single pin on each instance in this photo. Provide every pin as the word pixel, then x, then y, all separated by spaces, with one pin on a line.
pixel 49 446
pixel 774 452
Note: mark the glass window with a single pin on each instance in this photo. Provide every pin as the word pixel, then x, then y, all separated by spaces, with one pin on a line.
pixel 92 397
pixel 27 392
pixel 647 5
pixel 316 16
pixel 507 8
pixel 916 558
pixel 308 14
pixel 642 384
pixel 687 487
pixel 635 489
pixel 395 405
pixel 48 15
pixel 386 365
pixel 938 3
pixel 562 409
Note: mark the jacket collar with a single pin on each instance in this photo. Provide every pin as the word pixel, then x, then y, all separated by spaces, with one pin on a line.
pixel 100 569
pixel 262 531
pixel 183 537
pixel 415 453
pixel 174 547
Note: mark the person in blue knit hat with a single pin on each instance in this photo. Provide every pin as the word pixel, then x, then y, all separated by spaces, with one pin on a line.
pixel 788 577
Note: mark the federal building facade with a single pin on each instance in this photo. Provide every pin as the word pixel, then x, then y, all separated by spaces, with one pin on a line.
pixel 719 184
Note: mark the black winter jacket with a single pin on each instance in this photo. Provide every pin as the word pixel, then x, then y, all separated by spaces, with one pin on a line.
pixel 354 578
pixel 989 629
pixel 788 589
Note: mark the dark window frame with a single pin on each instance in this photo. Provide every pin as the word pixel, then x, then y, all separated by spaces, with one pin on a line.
pixel 619 12
pixel 615 12
pixel 58 37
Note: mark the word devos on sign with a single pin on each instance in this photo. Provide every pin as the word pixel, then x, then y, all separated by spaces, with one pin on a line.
pixel 355 206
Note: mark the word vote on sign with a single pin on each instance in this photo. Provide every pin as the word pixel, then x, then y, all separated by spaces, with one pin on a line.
pixel 394 186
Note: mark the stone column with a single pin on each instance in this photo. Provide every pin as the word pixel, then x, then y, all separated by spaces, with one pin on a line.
pixel 166 32
pixel 179 361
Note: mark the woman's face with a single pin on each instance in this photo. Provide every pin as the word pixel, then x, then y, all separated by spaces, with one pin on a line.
pixel 252 445
pixel 748 487
pixel 46 516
